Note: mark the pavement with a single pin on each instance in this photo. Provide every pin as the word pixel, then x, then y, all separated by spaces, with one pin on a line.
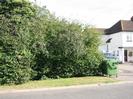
pixel 125 72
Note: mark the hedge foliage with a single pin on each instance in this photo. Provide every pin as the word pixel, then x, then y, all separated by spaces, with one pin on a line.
pixel 35 45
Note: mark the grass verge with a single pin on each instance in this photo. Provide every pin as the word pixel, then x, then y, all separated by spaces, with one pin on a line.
pixel 59 83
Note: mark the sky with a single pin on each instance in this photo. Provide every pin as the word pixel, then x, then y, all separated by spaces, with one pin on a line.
pixel 99 13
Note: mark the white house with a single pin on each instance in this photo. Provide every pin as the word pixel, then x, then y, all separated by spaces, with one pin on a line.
pixel 118 40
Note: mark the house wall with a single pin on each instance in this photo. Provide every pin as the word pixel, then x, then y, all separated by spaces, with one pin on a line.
pixel 113 46
pixel 103 46
pixel 125 43
pixel 118 40
pixel 128 45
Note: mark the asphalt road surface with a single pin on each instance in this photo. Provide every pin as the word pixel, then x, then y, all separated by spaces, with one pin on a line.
pixel 116 91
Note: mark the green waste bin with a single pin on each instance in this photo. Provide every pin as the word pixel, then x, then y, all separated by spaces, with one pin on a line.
pixel 111 67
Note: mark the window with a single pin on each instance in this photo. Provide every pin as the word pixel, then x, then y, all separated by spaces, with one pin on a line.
pixel 130 54
pixel 113 53
pixel 129 37
pixel 117 53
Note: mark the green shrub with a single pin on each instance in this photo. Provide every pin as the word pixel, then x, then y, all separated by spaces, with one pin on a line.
pixel 13 72
pixel 69 51
pixel 103 67
pixel 16 58
pixel 35 45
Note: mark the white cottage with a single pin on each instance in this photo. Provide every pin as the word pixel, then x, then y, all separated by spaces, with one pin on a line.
pixel 118 40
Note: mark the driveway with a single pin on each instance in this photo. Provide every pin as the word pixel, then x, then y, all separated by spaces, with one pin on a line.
pixel 125 72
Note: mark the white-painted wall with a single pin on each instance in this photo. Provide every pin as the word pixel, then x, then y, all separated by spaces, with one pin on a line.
pixel 114 45
pixel 125 43
pixel 103 46
pixel 118 40
pixel 128 45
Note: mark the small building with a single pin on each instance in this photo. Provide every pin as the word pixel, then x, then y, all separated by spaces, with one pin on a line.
pixel 118 40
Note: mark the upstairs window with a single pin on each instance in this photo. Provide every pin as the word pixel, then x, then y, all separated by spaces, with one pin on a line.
pixel 129 37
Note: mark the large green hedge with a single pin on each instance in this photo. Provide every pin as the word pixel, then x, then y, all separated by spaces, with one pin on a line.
pixel 66 50
pixel 35 45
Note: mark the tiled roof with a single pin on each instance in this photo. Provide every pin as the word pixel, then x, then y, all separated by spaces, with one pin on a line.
pixel 122 25
pixel 115 28
pixel 127 25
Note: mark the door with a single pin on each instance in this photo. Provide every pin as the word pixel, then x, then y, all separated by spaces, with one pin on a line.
pixel 125 56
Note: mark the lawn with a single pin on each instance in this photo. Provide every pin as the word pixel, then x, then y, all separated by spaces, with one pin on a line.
pixel 60 82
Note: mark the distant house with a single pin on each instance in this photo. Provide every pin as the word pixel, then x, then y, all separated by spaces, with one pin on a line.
pixel 118 40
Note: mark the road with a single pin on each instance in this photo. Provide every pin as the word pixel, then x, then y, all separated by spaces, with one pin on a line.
pixel 116 91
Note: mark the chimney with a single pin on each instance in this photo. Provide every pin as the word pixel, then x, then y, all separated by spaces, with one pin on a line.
pixel 132 18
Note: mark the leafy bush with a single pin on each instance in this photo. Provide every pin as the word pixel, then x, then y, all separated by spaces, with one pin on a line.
pixel 35 45
pixel 14 74
pixel 13 70
pixel 69 50
pixel 15 55
pixel 103 67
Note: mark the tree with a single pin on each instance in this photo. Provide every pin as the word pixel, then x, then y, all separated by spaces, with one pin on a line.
pixel 15 56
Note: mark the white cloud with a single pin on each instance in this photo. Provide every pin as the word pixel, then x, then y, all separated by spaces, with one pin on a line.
pixel 101 13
